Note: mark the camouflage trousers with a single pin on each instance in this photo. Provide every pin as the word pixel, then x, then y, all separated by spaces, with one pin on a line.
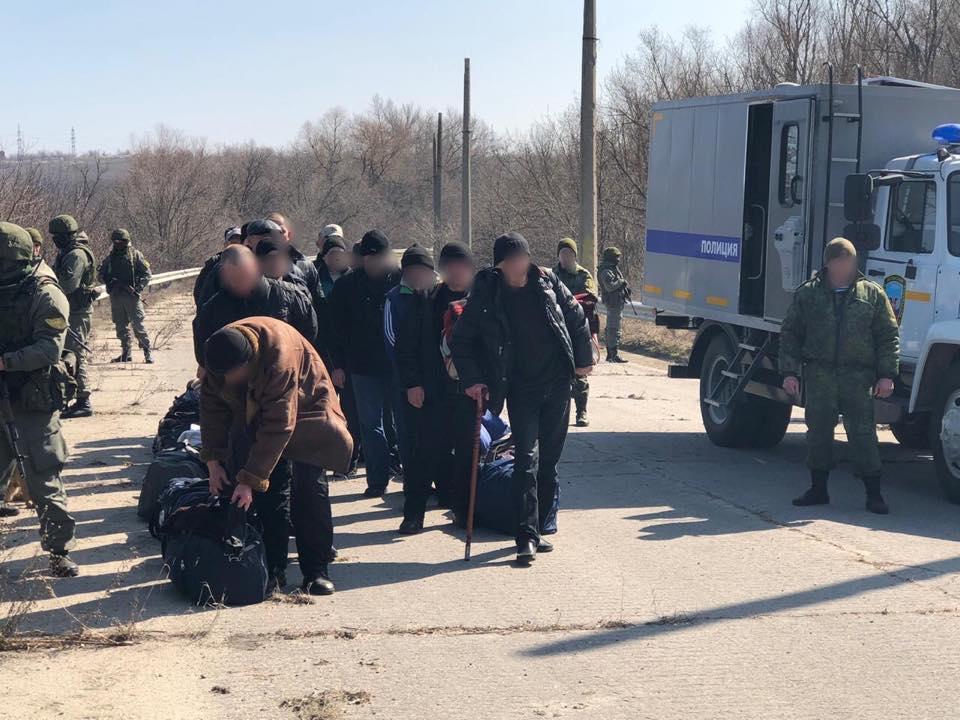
pixel 80 324
pixel 46 452
pixel 127 310
pixel 612 331
pixel 580 392
pixel 830 393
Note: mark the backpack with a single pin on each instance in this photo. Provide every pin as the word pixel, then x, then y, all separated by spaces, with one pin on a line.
pixel 496 507
pixel 213 553
pixel 450 318
pixel 169 465
pixel 184 412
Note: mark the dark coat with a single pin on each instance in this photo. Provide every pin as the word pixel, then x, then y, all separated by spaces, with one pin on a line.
pixel 482 348
pixel 419 362
pixel 356 314
pixel 207 283
pixel 272 298
pixel 289 403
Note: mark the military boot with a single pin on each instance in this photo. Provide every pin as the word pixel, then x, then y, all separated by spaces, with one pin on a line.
pixel 875 501
pixel 79 409
pixel 613 356
pixel 62 566
pixel 582 419
pixel 817 494
pixel 8 510
pixel 148 355
pixel 124 356
pixel 318 584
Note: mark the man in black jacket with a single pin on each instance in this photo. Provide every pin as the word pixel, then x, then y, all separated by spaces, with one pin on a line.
pixel 522 338
pixel 207 283
pixel 303 266
pixel 246 293
pixel 358 350
pixel 443 417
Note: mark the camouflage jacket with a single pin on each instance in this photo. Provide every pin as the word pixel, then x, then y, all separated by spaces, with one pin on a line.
pixel 127 269
pixel 578 282
pixel 852 330
pixel 612 283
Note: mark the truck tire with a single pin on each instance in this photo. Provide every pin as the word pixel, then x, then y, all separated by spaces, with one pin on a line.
pixel 771 420
pixel 914 432
pixel 945 433
pixel 726 427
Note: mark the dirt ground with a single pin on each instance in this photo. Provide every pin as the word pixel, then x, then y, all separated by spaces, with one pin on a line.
pixel 684 585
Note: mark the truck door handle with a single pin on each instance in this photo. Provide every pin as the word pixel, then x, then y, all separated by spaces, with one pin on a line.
pixel 875 273
pixel 911 271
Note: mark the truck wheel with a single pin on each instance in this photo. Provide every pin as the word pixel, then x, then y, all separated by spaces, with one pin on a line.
pixel 914 432
pixel 771 420
pixel 731 426
pixel 945 434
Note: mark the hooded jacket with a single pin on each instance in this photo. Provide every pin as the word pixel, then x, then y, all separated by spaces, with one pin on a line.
pixel 356 312
pixel 289 405
pixel 482 347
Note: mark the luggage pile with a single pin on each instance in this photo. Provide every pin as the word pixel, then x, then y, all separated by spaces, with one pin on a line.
pixel 182 415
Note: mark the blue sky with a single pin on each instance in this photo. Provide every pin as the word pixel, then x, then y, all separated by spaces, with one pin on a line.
pixel 241 70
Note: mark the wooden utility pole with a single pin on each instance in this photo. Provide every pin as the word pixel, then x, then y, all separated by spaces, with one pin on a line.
pixel 465 211
pixel 588 139
pixel 438 182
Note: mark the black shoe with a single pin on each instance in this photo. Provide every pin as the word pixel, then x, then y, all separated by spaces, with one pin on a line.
pixel 319 584
pixel 62 566
pixel 79 409
pixel 615 358
pixel 582 420
pixel 277 580
pixel 544 546
pixel 875 501
pixel 372 492
pixel 148 356
pixel 817 494
pixel 123 357
pixel 411 526
pixel 526 552
pixel 8 510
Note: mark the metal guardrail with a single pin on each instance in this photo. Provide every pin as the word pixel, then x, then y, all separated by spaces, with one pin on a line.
pixel 634 309
pixel 159 280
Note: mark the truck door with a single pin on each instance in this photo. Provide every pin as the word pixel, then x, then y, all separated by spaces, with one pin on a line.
pixel 907 263
pixel 788 215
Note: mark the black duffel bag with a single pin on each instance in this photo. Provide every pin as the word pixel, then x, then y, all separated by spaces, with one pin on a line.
pixel 184 412
pixel 182 462
pixel 213 553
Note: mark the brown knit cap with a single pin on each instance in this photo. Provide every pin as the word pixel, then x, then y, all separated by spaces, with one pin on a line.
pixel 838 248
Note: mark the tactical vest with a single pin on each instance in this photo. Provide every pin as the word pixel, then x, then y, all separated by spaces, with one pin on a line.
pixel 121 268
pixel 45 389
pixel 86 292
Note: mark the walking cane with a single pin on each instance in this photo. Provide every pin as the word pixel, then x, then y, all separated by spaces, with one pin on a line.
pixel 472 504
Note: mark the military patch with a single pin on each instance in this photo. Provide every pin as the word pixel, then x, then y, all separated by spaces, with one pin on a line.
pixel 57 322
pixel 896 289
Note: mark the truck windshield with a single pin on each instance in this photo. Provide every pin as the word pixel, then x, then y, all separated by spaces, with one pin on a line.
pixel 913 217
pixel 953 214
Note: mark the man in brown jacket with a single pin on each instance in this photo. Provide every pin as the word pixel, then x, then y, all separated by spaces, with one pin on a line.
pixel 267 395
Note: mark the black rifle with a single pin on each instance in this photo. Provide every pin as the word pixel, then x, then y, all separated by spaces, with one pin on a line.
pixel 78 340
pixel 12 433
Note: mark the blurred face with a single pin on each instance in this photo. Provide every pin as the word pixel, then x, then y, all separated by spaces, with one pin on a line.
pixel 842 271
pixel 568 259
pixel 337 260
pixel 275 265
pixel 37 251
pixel 237 376
pixel 458 275
pixel 515 269
pixel 419 277
pixel 241 278
pixel 378 265
pixel 285 227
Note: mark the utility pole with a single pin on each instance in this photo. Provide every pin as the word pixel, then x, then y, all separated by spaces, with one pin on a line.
pixel 19 142
pixel 73 142
pixel 465 220
pixel 438 183
pixel 588 141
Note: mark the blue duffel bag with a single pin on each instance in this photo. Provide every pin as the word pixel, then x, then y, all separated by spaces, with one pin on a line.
pixel 496 503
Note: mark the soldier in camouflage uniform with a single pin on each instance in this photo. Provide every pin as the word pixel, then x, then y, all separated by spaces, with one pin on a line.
pixel 125 273
pixel 841 336
pixel 578 281
pixel 613 291
pixel 37 238
pixel 33 325
pixel 76 273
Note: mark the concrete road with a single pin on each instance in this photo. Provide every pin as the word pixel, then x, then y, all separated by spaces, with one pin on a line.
pixel 684 585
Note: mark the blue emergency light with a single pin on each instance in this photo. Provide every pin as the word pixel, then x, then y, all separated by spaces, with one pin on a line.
pixel 948 134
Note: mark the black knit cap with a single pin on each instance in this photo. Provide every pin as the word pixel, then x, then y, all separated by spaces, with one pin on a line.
pixel 455 251
pixel 374 242
pixel 331 242
pixel 416 255
pixel 356 248
pixel 226 349
pixel 267 246
pixel 508 245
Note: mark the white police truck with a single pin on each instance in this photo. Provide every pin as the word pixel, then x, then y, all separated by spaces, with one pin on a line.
pixel 743 193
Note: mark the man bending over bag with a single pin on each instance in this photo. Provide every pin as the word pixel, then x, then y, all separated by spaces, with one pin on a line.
pixel 266 396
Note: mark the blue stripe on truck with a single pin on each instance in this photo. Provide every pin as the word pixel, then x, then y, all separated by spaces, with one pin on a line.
pixel 705 247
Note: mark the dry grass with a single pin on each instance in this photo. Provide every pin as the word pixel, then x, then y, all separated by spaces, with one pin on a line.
pixel 163 336
pixel 645 338
pixel 326 704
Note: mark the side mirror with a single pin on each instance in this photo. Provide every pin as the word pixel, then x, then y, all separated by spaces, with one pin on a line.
pixel 857 191
pixel 864 236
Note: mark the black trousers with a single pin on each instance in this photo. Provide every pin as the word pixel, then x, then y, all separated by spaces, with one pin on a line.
pixel 348 402
pixel 539 417
pixel 299 494
pixel 442 454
